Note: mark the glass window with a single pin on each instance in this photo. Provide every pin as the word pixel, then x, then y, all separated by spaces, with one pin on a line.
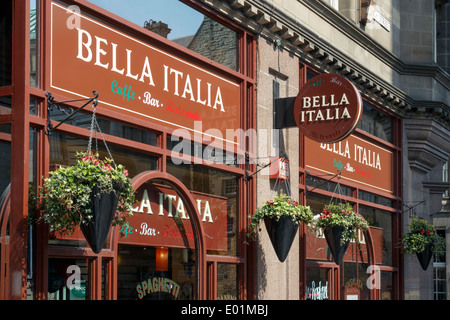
pixel 5 128
pixel 155 273
pixel 439 272
pixel 5 105
pixel 381 230
pixel 352 286
pixel 181 24
pixel 387 287
pixel 32 187
pixel 34 107
pixel 310 74
pixel 440 283
pixel 63 149
pixel 376 123
pixel 34 43
pixel 376 199
pixel 184 148
pixel 316 202
pixel 442 34
pixel 117 129
pixel 68 279
pixel 445 175
pixel 5 42
pixel 213 184
pixel 5 166
pixel 227 281
pixel 314 182
pixel 317 286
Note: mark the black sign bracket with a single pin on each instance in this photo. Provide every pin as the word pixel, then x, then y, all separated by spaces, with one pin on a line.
pixel 68 112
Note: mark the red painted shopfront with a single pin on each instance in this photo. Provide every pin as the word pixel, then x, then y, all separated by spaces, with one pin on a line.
pixel 172 115
pixel 160 105
pixel 363 169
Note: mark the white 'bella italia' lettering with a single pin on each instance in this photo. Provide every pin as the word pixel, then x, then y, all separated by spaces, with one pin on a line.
pixel 362 155
pixel 105 55
pixel 317 102
pixel 177 210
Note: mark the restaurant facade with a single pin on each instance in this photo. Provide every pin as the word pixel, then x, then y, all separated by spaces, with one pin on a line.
pixel 200 118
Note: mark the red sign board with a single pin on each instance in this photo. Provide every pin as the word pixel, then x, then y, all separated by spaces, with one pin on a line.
pixel 328 108
pixel 358 161
pixel 138 79
pixel 160 218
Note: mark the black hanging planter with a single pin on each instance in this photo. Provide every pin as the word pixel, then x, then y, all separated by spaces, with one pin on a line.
pixel 333 236
pixel 425 257
pixel 282 234
pixel 103 207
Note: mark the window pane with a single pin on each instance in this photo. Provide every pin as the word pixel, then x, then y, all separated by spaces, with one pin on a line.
pixel 227 281
pixel 317 287
pixel 63 149
pixel 377 123
pixel 181 24
pixel 83 120
pixel 5 42
pixel 441 257
pixel 381 230
pixel 350 284
pixel 59 288
pixel 354 281
pixel 375 199
pixel 387 288
pixel 5 105
pixel 182 147
pixel 5 166
pixel 34 43
pixel 5 128
pixel 34 107
pixel 314 182
pixel 220 188
pixel 155 273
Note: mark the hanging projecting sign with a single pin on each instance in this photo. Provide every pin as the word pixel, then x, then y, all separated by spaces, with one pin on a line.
pixel 328 108
pixel 138 79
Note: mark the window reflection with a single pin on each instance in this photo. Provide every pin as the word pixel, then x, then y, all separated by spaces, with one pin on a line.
pixel 59 288
pixel 155 273
pixel 5 166
pixel 377 123
pixel 317 286
pixel 381 230
pixel 227 281
pixel 34 42
pixel 114 128
pixel 5 105
pixel 216 184
pixel 63 149
pixel 181 24
pixel 5 42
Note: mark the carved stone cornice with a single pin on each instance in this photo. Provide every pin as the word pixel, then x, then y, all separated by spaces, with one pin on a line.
pixel 427 144
pixel 436 187
pixel 438 3
pixel 266 20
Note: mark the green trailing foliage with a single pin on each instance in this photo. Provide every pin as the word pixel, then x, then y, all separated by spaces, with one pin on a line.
pixel 66 193
pixel 342 215
pixel 420 235
pixel 281 205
